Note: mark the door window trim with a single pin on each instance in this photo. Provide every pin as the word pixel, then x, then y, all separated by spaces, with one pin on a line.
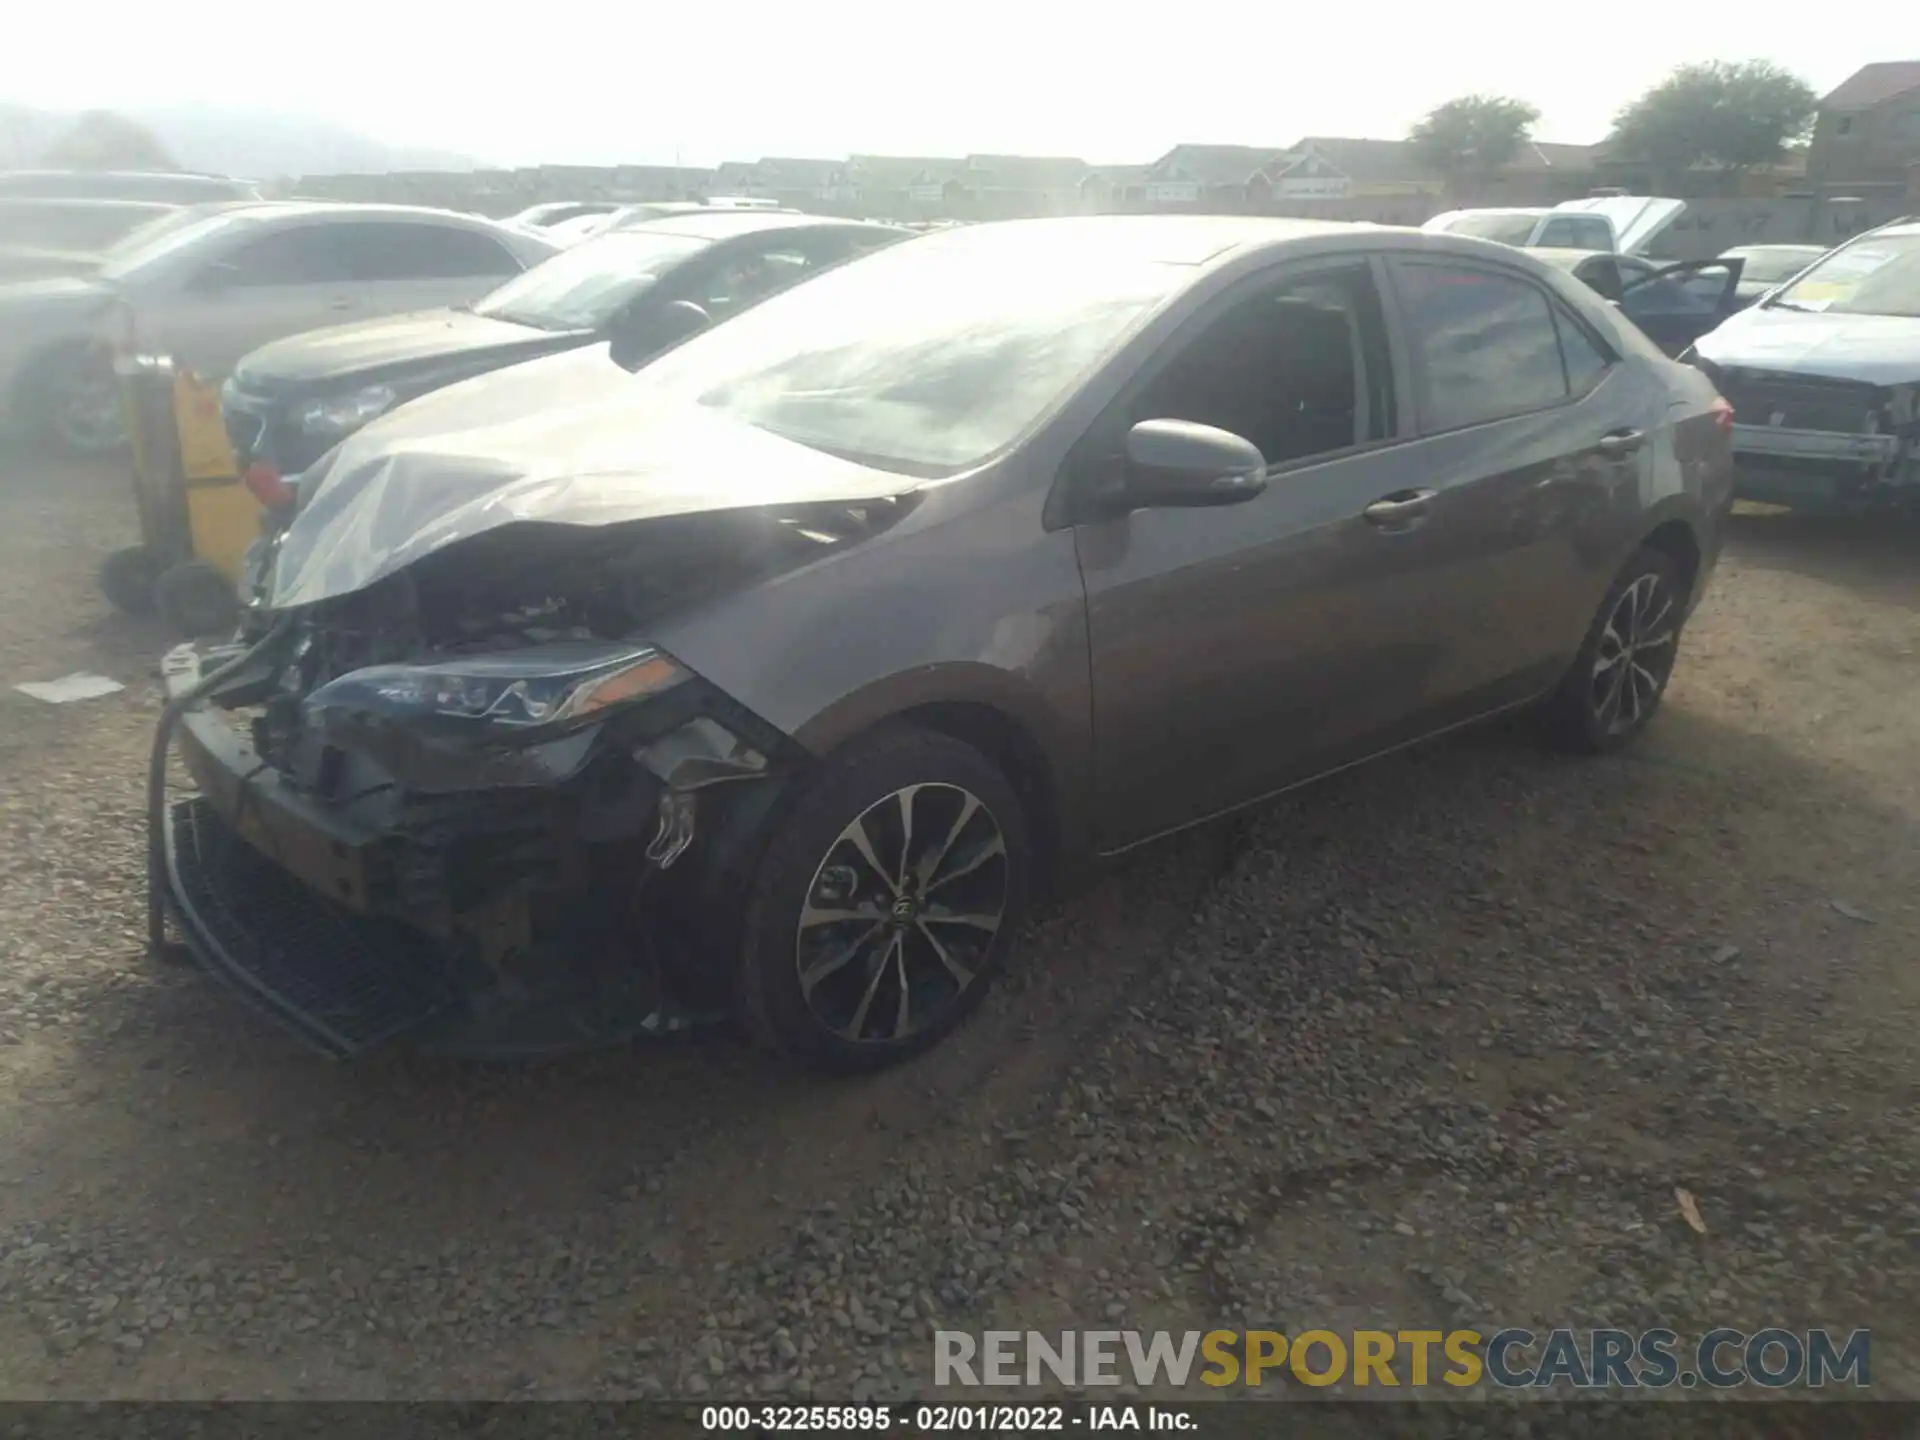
pixel 1422 398
pixel 1065 504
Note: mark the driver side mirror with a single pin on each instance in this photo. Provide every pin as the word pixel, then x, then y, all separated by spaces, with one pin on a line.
pixel 644 331
pixel 1178 463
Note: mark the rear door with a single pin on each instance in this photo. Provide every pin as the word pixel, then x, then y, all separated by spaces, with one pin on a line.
pixel 267 286
pixel 402 265
pixel 1676 304
pixel 1535 432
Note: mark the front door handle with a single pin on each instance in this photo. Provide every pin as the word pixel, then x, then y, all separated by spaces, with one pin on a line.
pixel 1622 442
pixel 1400 510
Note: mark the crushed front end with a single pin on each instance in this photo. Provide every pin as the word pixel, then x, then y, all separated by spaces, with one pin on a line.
pixel 454 806
pixel 1822 443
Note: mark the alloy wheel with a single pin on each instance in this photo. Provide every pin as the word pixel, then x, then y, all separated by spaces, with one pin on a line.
pixel 902 913
pixel 87 414
pixel 1635 655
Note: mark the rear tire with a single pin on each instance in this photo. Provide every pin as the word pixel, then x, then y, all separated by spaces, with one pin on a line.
pixel 1614 687
pixel 855 954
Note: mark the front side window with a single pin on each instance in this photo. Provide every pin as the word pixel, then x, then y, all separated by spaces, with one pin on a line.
pixel 1876 275
pixel 301 256
pixel 402 251
pixel 1298 368
pixel 1484 341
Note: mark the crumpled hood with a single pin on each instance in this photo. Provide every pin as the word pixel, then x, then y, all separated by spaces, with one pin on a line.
pixel 568 440
pixel 386 342
pixel 1879 349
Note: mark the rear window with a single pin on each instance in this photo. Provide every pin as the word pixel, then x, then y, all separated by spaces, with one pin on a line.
pixel 1508 229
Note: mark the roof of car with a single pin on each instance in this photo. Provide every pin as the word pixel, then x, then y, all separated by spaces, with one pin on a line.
pixel 347 209
pixel 724 224
pixel 1767 249
pixel 1167 239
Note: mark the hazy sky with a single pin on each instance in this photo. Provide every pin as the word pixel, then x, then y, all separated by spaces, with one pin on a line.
pixel 598 83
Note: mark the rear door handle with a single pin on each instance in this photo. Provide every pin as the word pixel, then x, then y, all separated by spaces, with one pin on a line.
pixel 1622 442
pixel 1401 509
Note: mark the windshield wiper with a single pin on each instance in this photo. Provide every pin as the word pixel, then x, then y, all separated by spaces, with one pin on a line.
pixel 1794 305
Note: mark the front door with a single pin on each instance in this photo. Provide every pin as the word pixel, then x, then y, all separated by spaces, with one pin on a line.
pixel 1676 304
pixel 277 284
pixel 1232 648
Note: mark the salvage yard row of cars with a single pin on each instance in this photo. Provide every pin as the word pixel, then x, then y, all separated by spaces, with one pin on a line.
pixel 743 612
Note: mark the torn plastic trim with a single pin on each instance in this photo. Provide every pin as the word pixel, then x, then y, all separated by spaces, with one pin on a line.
pixel 699 754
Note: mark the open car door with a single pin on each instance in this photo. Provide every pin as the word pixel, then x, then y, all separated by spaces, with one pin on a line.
pixel 1676 304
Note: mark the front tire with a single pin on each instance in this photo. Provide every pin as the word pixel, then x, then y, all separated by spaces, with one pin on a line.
pixel 1615 684
pixel 884 902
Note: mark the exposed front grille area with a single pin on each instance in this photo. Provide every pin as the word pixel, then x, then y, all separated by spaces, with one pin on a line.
pixel 1804 403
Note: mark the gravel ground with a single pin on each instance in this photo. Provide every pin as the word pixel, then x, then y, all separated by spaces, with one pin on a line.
pixel 1432 1043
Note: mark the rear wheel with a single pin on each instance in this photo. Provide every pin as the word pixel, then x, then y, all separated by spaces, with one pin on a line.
pixel 884 902
pixel 1617 681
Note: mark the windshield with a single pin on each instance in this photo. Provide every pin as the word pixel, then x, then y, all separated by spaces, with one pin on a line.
pixel 1770 267
pixel 925 358
pixel 583 288
pixel 1879 275
pixel 153 243
pixel 1507 228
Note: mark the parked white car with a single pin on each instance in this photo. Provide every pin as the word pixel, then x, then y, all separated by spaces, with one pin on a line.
pixel 226 281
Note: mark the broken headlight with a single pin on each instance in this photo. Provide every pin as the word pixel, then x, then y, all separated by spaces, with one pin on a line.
pixel 341 415
pixel 532 688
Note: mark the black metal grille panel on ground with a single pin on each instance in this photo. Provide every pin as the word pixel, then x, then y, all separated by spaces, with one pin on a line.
pixel 343 982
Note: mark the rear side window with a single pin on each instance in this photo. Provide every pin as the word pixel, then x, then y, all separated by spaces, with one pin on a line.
pixel 402 251
pixel 1485 343
pixel 1586 362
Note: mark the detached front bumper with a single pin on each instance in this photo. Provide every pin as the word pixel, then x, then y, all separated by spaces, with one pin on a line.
pixel 336 921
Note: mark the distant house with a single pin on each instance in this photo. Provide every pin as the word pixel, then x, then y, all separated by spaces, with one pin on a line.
pixel 1372 167
pixel 1866 137
pixel 1232 177
pixel 1005 186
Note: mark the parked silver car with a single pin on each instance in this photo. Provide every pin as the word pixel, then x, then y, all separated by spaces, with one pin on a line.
pixel 208 291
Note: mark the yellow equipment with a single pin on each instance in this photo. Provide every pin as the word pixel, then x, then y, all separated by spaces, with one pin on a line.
pixel 197 518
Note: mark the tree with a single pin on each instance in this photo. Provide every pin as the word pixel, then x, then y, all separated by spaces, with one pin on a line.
pixel 1734 114
pixel 1471 139
pixel 102 140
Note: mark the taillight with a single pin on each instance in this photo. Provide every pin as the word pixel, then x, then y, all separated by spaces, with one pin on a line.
pixel 1722 409
pixel 263 482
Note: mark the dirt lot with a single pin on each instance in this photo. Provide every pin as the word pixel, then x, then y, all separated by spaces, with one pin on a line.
pixel 1431 1043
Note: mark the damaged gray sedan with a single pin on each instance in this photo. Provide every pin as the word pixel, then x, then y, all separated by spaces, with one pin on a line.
pixel 574 704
